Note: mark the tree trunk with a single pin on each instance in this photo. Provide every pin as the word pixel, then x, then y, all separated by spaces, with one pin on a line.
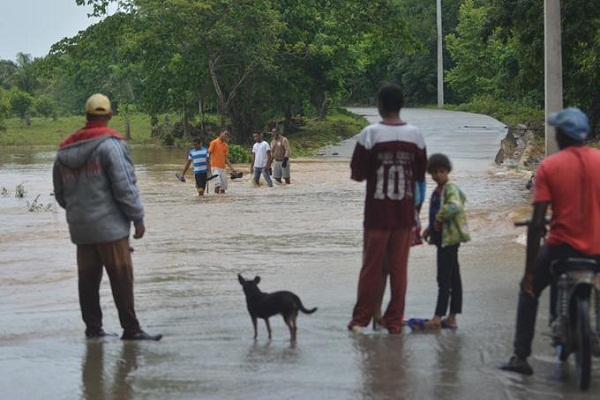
pixel 287 122
pixel 320 101
pixel 154 132
pixel 186 124
pixel 127 127
pixel 594 115
pixel 201 112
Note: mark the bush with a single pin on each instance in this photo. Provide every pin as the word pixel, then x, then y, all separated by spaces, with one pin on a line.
pixel 21 103
pixel 46 106
pixel 239 154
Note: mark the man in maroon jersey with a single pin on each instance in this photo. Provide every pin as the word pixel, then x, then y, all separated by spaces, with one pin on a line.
pixel 391 156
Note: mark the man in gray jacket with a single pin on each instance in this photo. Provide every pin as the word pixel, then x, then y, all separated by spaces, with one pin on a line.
pixel 94 182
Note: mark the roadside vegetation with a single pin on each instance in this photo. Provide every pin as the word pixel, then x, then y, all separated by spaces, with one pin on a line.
pixel 177 69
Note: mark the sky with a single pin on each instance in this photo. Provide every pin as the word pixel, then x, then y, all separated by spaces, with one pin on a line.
pixel 33 26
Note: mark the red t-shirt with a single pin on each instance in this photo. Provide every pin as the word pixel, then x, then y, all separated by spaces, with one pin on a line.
pixel 570 181
pixel 392 158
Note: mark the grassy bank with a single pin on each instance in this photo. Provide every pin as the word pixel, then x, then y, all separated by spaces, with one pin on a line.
pixel 49 132
pixel 312 135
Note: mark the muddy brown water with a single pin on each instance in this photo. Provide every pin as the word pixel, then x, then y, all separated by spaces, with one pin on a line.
pixel 305 237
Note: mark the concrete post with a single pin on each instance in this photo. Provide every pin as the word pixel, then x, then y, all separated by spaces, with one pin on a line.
pixel 440 56
pixel 553 86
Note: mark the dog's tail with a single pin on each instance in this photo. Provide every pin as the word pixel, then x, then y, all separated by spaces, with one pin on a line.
pixel 304 309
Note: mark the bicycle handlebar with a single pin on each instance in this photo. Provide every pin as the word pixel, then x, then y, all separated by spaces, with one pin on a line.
pixel 525 222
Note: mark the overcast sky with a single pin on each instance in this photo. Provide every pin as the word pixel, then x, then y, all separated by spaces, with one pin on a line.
pixel 33 26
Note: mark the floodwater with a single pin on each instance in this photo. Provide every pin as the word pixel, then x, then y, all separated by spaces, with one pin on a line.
pixel 305 237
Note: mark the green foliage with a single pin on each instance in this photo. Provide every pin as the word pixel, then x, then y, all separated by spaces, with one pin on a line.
pixel 92 62
pixel 316 133
pixel 239 154
pixel 521 24
pixel 45 106
pixel 479 60
pixel 8 71
pixel 20 103
pixel 4 108
pixel 255 61
pixel 509 112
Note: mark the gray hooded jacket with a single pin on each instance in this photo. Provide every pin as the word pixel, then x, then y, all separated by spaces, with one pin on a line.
pixel 94 182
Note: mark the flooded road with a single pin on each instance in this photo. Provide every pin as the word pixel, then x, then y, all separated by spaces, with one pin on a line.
pixel 305 237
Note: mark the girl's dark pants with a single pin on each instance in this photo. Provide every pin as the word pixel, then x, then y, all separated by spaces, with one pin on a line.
pixel 449 282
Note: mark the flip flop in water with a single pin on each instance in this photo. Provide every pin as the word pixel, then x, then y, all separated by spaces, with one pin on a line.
pixel 417 324
pixel 447 325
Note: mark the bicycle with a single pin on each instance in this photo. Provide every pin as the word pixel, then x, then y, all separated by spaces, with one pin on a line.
pixel 576 281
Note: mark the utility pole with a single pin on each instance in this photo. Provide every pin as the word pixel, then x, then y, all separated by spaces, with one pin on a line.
pixel 440 57
pixel 553 86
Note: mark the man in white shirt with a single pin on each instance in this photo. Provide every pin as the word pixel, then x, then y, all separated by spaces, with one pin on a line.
pixel 261 160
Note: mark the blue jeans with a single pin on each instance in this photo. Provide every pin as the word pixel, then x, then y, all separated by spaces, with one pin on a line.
pixel 265 172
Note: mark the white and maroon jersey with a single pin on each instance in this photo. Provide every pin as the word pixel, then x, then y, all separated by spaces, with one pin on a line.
pixel 392 158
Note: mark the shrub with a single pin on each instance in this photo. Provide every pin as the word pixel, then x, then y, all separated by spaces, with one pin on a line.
pixel 46 106
pixel 239 154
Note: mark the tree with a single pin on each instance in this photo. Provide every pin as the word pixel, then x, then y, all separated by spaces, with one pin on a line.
pixel 94 61
pixel 4 108
pixel 478 60
pixel 20 104
pixel 45 106
pixel 521 22
pixel 8 70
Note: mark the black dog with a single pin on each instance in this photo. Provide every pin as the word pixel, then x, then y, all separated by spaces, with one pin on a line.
pixel 264 305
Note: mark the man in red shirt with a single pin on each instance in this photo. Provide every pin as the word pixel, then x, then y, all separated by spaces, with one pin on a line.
pixel 568 182
pixel 391 156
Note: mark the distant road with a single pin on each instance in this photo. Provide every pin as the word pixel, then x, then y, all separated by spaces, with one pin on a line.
pixel 460 135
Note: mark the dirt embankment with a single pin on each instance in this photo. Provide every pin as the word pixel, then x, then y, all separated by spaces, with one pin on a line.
pixel 520 148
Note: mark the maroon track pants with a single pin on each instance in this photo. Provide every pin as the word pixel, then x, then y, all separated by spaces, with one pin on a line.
pixel 395 244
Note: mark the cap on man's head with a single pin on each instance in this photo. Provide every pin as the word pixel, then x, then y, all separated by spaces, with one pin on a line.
pixel 98 104
pixel 572 122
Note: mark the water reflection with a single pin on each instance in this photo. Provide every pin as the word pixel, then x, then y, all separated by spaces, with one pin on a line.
pixel 449 360
pixel 384 366
pixel 263 354
pixel 112 381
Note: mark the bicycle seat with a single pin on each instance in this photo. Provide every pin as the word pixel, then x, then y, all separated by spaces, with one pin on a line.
pixel 558 267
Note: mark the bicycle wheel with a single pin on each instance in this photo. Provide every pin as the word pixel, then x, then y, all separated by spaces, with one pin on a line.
pixel 583 354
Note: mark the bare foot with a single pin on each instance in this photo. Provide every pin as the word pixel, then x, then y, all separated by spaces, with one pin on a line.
pixel 433 324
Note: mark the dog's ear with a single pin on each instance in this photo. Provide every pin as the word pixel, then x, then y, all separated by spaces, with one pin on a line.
pixel 241 279
pixel 257 279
